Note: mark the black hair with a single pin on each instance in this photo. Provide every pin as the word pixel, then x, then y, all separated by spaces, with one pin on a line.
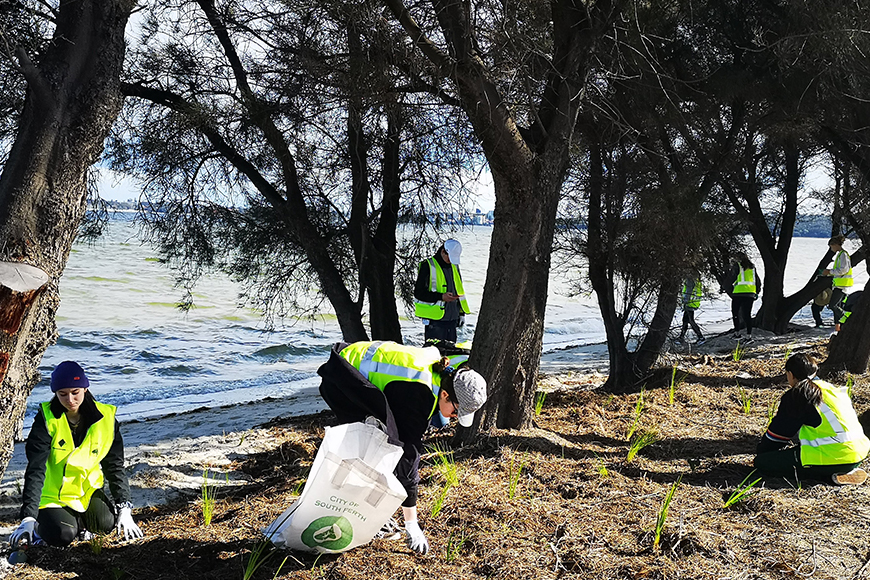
pixel 802 366
pixel 810 391
pixel 443 368
pixel 744 261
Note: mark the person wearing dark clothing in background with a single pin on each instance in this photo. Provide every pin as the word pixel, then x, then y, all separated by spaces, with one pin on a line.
pixel 691 296
pixel 819 302
pixel 841 274
pixel 439 297
pixel 745 288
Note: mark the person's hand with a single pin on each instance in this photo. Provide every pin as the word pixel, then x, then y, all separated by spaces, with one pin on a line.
pixel 126 525
pixel 26 528
pixel 416 539
pixel 449 297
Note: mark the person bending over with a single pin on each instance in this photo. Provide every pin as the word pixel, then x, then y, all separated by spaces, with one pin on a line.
pixel 74 445
pixel 820 417
pixel 402 387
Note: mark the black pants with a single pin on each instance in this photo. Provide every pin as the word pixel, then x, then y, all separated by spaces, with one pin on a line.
pixel 440 329
pixel 689 320
pixel 836 304
pixel 817 313
pixel 741 311
pixel 787 463
pixel 59 526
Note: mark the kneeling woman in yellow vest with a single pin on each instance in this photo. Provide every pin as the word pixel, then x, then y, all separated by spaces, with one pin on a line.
pixel 821 417
pixel 403 387
pixel 73 442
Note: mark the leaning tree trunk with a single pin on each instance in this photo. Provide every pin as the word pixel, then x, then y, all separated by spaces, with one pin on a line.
pixel 850 348
pixel 72 101
pixel 508 339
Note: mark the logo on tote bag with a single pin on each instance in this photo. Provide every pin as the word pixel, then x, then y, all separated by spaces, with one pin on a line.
pixel 329 532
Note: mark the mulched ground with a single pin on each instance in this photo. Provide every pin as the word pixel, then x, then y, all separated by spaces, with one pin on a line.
pixel 557 501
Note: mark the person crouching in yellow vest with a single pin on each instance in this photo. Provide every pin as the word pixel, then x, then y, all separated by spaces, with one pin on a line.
pixel 402 387
pixel 74 444
pixel 820 415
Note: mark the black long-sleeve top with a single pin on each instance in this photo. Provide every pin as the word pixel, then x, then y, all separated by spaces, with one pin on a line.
pixel 424 294
pixel 795 411
pixel 38 447
pixel 403 406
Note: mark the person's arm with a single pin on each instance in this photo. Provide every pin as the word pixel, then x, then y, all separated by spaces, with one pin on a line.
pixel 113 469
pixel 844 265
pixel 37 449
pixel 421 286
pixel 793 413
pixel 411 404
pixel 757 283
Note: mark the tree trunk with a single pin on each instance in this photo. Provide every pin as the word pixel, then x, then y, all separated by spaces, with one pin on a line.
pixel 850 348
pixel 72 101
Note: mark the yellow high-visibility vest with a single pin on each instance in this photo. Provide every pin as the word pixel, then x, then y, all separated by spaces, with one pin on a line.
pixel 745 282
pixel 840 438
pixel 73 474
pixel 438 283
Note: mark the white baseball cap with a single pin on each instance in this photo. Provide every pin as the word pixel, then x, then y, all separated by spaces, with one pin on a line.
pixel 454 250
pixel 470 389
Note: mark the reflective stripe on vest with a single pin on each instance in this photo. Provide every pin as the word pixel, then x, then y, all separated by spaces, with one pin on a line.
pixel 438 283
pixel 382 362
pixel 845 280
pixel 73 474
pixel 840 439
pixel 745 282
pixel 695 298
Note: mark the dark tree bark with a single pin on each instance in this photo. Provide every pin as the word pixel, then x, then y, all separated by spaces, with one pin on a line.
pixel 72 101
pixel 528 167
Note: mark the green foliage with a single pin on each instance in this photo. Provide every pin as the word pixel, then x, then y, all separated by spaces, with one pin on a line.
pixel 514 472
pixel 663 512
pixel 261 554
pixel 771 411
pixel 638 411
pixel 454 545
pixel 745 399
pixel 540 396
pixel 741 492
pixel 207 493
pixel 738 352
pixel 445 466
pixel 850 382
pixel 640 440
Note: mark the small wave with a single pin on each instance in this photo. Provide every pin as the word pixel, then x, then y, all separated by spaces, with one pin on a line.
pixel 281 351
pixel 101 279
pixel 180 370
pixel 81 344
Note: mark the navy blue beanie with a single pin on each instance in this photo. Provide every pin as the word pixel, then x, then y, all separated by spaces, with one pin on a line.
pixel 68 375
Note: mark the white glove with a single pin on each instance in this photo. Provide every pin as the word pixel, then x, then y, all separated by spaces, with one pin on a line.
pixel 127 526
pixel 416 540
pixel 26 528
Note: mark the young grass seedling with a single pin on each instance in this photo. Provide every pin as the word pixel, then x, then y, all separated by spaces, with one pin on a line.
pixel 454 545
pixel 539 401
pixel 738 353
pixel 663 512
pixel 850 382
pixel 514 474
pixel 639 441
pixel 261 553
pixel 444 464
pixel 207 493
pixel 638 411
pixel 745 399
pixel 787 352
pixel 741 492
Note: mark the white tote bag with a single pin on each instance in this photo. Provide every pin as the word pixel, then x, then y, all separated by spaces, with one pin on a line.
pixel 350 494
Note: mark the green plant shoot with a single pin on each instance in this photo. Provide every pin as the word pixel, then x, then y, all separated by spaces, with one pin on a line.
pixel 639 441
pixel 638 411
pixel 663 512
pixel 540 396
pixel 738 352
pixel 515 471
pixel 207 493
pixel 745 399
pixel 741 492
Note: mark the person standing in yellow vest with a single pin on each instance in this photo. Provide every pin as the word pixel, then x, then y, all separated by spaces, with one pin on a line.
pixel 439 297
pixel 745 290
pixel 74 446
pixel 842 274
pixel 401 387
pixel 691 295
pixel 821 416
